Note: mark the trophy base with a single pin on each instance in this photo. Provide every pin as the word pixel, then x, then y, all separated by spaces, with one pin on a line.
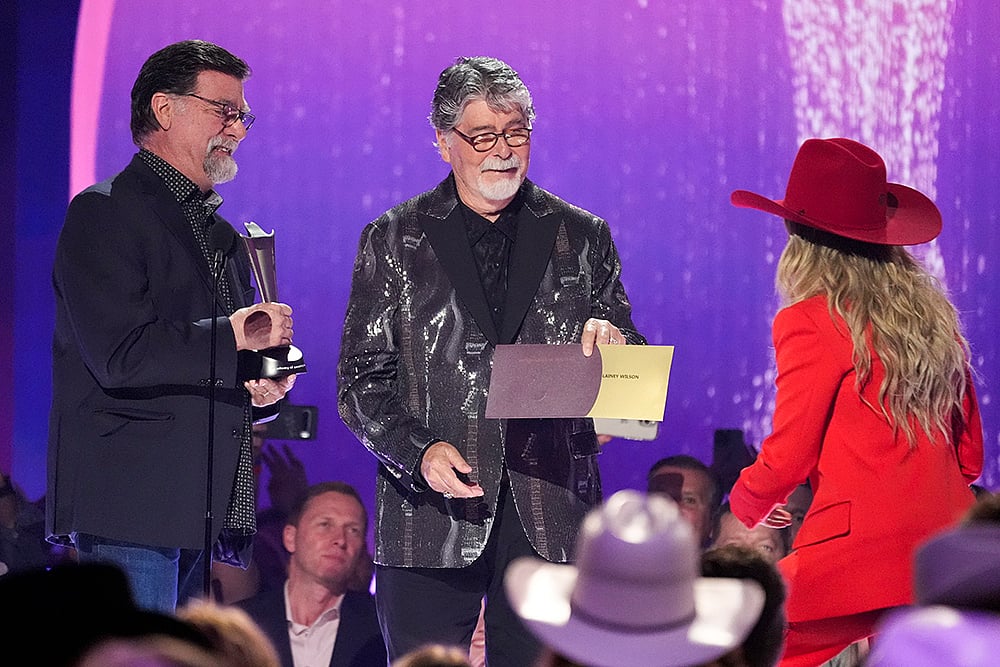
pixel 278 362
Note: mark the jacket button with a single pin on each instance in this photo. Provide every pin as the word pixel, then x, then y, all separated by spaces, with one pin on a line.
pixel 236 433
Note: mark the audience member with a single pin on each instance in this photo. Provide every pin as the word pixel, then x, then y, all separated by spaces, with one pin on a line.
pixel 875 400
pixel 763 646
pixel 234 636
pixel 315 618
pixel 434 655
pixel 22 531
pixel 58 615
pixel 692 486
pixel 985 510
pixel 635 596
pixel 960 567
pixel 148 651
pixel 770 543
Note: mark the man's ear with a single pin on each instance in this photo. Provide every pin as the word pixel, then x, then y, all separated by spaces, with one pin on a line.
pixel 443 147
pixel 288 538
pixel 163 108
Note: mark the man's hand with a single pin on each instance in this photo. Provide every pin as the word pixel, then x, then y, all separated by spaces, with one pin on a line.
pixel 262 325
pixel 264 392
pixel 600 332
pixel 440 468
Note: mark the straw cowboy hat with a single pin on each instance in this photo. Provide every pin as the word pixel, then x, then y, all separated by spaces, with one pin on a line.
pixel 839 186
pixel 634 596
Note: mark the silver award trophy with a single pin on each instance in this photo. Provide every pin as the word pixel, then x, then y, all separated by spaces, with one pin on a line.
pixel 275 362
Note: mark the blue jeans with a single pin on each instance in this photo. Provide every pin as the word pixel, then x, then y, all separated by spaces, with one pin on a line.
pixel 160 577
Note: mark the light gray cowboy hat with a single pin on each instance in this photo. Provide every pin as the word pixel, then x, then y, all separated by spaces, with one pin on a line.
pixel 634 596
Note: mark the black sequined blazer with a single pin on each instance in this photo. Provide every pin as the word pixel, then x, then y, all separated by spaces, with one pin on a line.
pixel 415 363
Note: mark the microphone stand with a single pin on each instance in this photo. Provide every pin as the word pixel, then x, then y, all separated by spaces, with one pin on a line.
pixel 217 266
pixel 222 239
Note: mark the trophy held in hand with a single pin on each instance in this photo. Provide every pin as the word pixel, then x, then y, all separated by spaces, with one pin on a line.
pixel 275 362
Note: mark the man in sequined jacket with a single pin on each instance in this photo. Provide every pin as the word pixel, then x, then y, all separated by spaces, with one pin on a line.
pixel 483 259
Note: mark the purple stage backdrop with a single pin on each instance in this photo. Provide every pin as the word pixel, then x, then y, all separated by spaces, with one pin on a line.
pixel 649 114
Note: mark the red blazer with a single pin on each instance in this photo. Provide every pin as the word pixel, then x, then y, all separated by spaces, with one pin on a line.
pixel 875 499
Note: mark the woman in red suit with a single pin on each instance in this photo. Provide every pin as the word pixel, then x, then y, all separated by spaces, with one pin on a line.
pixel 875 406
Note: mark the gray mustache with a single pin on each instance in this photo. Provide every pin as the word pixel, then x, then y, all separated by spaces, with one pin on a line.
pixel 216 142
pixel 496 164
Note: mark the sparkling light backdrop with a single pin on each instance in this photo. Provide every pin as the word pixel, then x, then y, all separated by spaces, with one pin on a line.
pixel 649 114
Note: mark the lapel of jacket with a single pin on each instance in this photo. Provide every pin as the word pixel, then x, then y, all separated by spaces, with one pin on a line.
pixel 162 204
pixel 444 227
pixel 536 233
pixel 348 634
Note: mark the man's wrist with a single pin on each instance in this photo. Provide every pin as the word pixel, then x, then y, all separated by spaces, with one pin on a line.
pixel 419 483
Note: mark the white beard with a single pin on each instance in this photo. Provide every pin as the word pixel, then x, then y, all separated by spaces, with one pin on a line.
pixel 220 167
pixel 499 187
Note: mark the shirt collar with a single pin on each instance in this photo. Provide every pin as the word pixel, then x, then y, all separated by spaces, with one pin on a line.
pixel 476 226
pixel 332 613
pixel 180 186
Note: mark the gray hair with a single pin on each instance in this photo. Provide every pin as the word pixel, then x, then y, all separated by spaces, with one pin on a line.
pixel 478 78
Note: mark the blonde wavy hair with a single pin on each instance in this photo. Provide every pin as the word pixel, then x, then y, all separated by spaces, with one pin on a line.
pixel 914 329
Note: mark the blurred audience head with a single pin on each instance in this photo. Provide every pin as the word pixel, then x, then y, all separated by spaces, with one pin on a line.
pixel 236 638
pixel 960 567
pixel 434 655
pixel 71 609
pixel 634 595
pixel 154 651
pixel 763 646
pixel 985 510
pixel 935 636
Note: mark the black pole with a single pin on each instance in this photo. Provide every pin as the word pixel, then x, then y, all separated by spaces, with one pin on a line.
pixel 222 241
pixel 209 537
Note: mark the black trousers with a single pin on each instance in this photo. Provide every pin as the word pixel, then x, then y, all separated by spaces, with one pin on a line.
pixel 418 605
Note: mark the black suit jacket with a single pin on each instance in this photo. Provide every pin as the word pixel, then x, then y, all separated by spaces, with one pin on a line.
pixel 128 428
pixel 415 363
pixel 359 639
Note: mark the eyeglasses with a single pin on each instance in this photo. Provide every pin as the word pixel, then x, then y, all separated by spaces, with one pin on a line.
pixel 483 142
pixel 228 112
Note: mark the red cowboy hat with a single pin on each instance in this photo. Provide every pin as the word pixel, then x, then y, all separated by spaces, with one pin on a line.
pixel 839 186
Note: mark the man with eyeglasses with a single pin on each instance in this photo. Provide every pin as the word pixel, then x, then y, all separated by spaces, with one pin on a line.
pixel 138 281
pixel 485 258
